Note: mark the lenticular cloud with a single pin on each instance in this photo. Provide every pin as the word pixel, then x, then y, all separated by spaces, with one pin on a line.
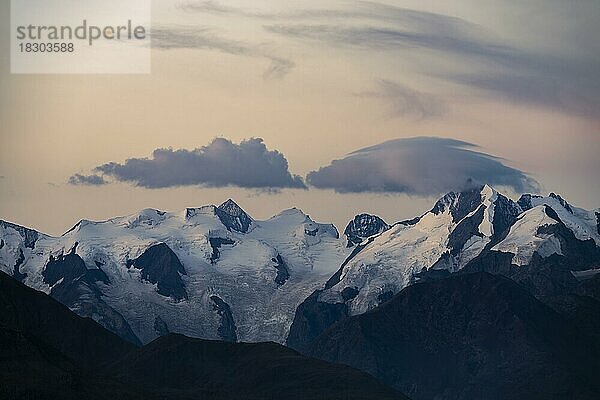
pixel 418 166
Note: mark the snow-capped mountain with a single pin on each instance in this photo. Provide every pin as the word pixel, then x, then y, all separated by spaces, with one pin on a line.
pixel 209 272
pixel 551 247
pixel 216 273
pixel 456 230
pixel 584 224
pixel 541 242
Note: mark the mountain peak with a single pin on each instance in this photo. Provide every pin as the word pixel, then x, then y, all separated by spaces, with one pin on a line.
pixel 232 208
pixel 562 202
pixel 364 226
pixel 462 203
pixel 528 201
pixel 30 236
pixel 488 192
pixel 233 216
pixel 145 217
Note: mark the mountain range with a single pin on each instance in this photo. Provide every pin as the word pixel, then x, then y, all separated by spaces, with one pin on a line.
pixel 479 297
pixel 209 272
pixel 542 243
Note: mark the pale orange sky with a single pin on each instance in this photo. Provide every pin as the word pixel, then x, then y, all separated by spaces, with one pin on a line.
pixel 323 108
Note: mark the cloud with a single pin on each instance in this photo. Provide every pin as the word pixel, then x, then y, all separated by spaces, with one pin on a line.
pixel 405 101
pixel 279 68
pixel 564 77
pixel 213 7
pixel 181 37
pixel 418 28
pixel 360 10
pixel 221 163
pixel 418 166
pixel 375 26
pixel 385 38
pixel 560 78
pixel 568 84
pixel 571 88
pixel 86 180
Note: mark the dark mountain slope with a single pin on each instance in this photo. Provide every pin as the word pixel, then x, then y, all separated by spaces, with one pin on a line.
pixel 473 336
pixel 581 305
pixel 32 370
pixel 160 265
pixel 48 352
pixel 582 311
pixel 196 368
pixel 75 286
pixel 49 323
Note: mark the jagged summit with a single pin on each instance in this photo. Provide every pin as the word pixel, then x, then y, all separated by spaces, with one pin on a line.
pixel 528 201
pixel 364 226
pixel 583 223
pixel 562 202
pixel 494 211
pixel 462 203
pixel 232 208
pixel 233 216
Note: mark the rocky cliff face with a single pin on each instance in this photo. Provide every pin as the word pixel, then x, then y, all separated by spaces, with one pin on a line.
pixel 364 226
pixel 233 217
pixel 160 266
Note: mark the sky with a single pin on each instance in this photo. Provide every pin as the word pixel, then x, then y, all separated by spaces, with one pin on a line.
pixel 335 107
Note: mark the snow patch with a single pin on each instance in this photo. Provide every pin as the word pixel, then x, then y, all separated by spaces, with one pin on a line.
pixel 489 197
pixel 585 275
pixel 523 238
pixel 582 222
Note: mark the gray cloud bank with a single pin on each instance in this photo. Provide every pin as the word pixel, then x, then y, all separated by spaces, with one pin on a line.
pixel 221 163
pixel 523 76
pixel 566 78
pixel 87 180
pixel 561 79
pixel 418 166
